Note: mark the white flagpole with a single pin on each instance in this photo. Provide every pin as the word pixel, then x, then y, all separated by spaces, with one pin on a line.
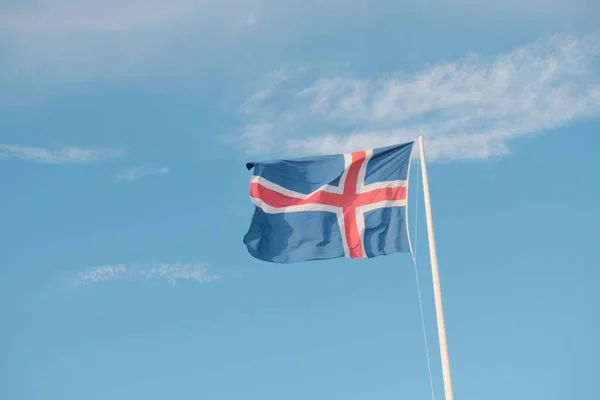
pixel 437 290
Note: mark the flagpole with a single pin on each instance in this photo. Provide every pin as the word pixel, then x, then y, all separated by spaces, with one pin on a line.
pixel 437 290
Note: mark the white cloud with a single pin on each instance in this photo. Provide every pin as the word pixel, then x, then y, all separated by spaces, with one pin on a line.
pixel 63 155
pixel 468 109
pixel 171 272
pixel 179 271
pixel 45 42
pixel 257 137
pixel 100 274
pixel 140 171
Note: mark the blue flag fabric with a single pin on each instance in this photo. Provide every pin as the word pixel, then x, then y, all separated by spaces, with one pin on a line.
pixel 346 205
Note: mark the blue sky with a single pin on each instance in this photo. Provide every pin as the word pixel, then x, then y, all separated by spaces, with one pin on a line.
pixel 124 130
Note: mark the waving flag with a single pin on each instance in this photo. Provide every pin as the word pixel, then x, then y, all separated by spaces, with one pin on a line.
pixel 347 205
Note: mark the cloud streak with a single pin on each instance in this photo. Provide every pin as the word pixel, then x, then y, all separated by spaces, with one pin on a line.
pixel 468 109
pixel 140 171
pixel 63 155
pixel 44 43
pixel 100 274
pixel 171 272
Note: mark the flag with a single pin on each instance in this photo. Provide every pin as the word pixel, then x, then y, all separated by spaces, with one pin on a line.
pixel 346 205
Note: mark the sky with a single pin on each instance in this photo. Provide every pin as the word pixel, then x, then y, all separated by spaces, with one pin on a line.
pixel 125 127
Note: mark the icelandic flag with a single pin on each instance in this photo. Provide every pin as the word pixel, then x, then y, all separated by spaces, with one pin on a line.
pixel 346 205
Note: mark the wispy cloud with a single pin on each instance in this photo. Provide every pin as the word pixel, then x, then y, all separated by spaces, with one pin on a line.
pixel 63 155
pixel 468 109
pixel 140 171
pixel 49 41
pixel 171 272
pixel 269 88
pixel 100 274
